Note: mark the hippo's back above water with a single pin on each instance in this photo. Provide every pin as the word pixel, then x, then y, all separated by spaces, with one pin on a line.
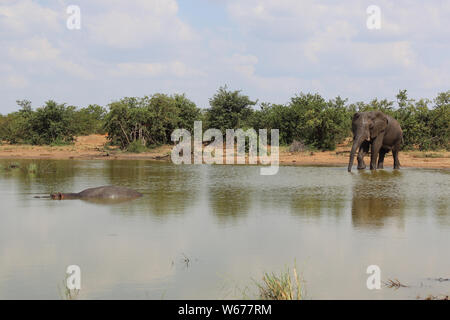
pixel 109 192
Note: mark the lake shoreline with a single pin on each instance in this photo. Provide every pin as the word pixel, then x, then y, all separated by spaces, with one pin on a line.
pixel 93 148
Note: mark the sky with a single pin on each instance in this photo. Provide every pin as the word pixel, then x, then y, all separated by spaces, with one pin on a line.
pixel 269 49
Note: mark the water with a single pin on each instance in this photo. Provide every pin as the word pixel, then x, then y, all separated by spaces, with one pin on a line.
pixel 210 231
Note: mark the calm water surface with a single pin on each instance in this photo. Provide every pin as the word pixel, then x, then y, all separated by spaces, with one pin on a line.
pixel 209 231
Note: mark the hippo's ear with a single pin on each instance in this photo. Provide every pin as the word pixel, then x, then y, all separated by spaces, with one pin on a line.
pixel 56 196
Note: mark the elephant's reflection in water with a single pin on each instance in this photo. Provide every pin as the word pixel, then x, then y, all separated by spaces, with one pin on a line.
pixel 378 199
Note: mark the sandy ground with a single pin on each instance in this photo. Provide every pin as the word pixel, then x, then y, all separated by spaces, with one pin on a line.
pixel 93 147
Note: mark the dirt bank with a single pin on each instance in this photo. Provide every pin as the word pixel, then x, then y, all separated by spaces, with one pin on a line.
pixel 93 147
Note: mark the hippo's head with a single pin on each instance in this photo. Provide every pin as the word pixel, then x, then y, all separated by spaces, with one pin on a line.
pixel 57 196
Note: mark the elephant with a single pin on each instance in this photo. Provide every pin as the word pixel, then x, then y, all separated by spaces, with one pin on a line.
pixel 380 132
pixel 99 193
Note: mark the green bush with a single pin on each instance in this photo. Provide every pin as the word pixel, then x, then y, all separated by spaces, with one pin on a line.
pixel 90 120
pixel 133 123
pixel 229 110
pixel 149 120
pixel 310 118
pixel 52 124
pixel 136 147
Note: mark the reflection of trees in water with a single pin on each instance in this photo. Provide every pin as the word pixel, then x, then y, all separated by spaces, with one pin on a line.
pixel 42 176
pixel 167 188
pixel 440 203
pixel 229 203
pixel 130 173
pixel 230 191
pixel 441 211
pixel 318 201
pixel 377 196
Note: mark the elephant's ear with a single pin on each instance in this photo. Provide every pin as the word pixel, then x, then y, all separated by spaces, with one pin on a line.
pixel 380 123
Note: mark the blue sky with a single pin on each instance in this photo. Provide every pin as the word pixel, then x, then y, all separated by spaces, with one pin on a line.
pixel 270 49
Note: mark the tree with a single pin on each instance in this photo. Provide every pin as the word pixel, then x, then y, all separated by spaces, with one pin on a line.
pixel 53 124
pixel 439 121
pixel 229 110
pixel 320 123
pixel 90 120
pixel 149 120
pixel 187 112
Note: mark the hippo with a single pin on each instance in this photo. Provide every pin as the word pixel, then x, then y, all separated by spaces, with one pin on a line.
pixel 99 193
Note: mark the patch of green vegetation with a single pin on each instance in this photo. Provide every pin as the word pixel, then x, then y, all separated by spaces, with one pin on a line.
pixel 283 286
pixel 52 124
pixel 150 120
pixel 60 142
pixel 434 155
pixel 319 123
pixel 136 147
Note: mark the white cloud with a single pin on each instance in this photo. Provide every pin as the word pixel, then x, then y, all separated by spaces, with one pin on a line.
pixel 26 16
pixel 33 50
pixel 170 69
pixel 133 24
pixel 293 20
pixel 242 64
pixel 271 49
pixel 16 81
pixel 286 20
pixel 39 53
pixel 323 42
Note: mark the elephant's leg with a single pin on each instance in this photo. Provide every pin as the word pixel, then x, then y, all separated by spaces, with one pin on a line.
pixel 381 158
pixel 395 156
pixel 376 146
pixel 363 150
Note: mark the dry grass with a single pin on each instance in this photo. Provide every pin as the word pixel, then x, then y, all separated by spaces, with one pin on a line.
pixel 66 293
pixel 280 287
pixel 394 284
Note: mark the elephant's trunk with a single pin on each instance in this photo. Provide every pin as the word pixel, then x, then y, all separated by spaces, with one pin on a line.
pixel 356 144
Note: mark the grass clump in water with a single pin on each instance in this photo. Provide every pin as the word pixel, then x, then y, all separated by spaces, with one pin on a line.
pixel 280 287
pixel 66 293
